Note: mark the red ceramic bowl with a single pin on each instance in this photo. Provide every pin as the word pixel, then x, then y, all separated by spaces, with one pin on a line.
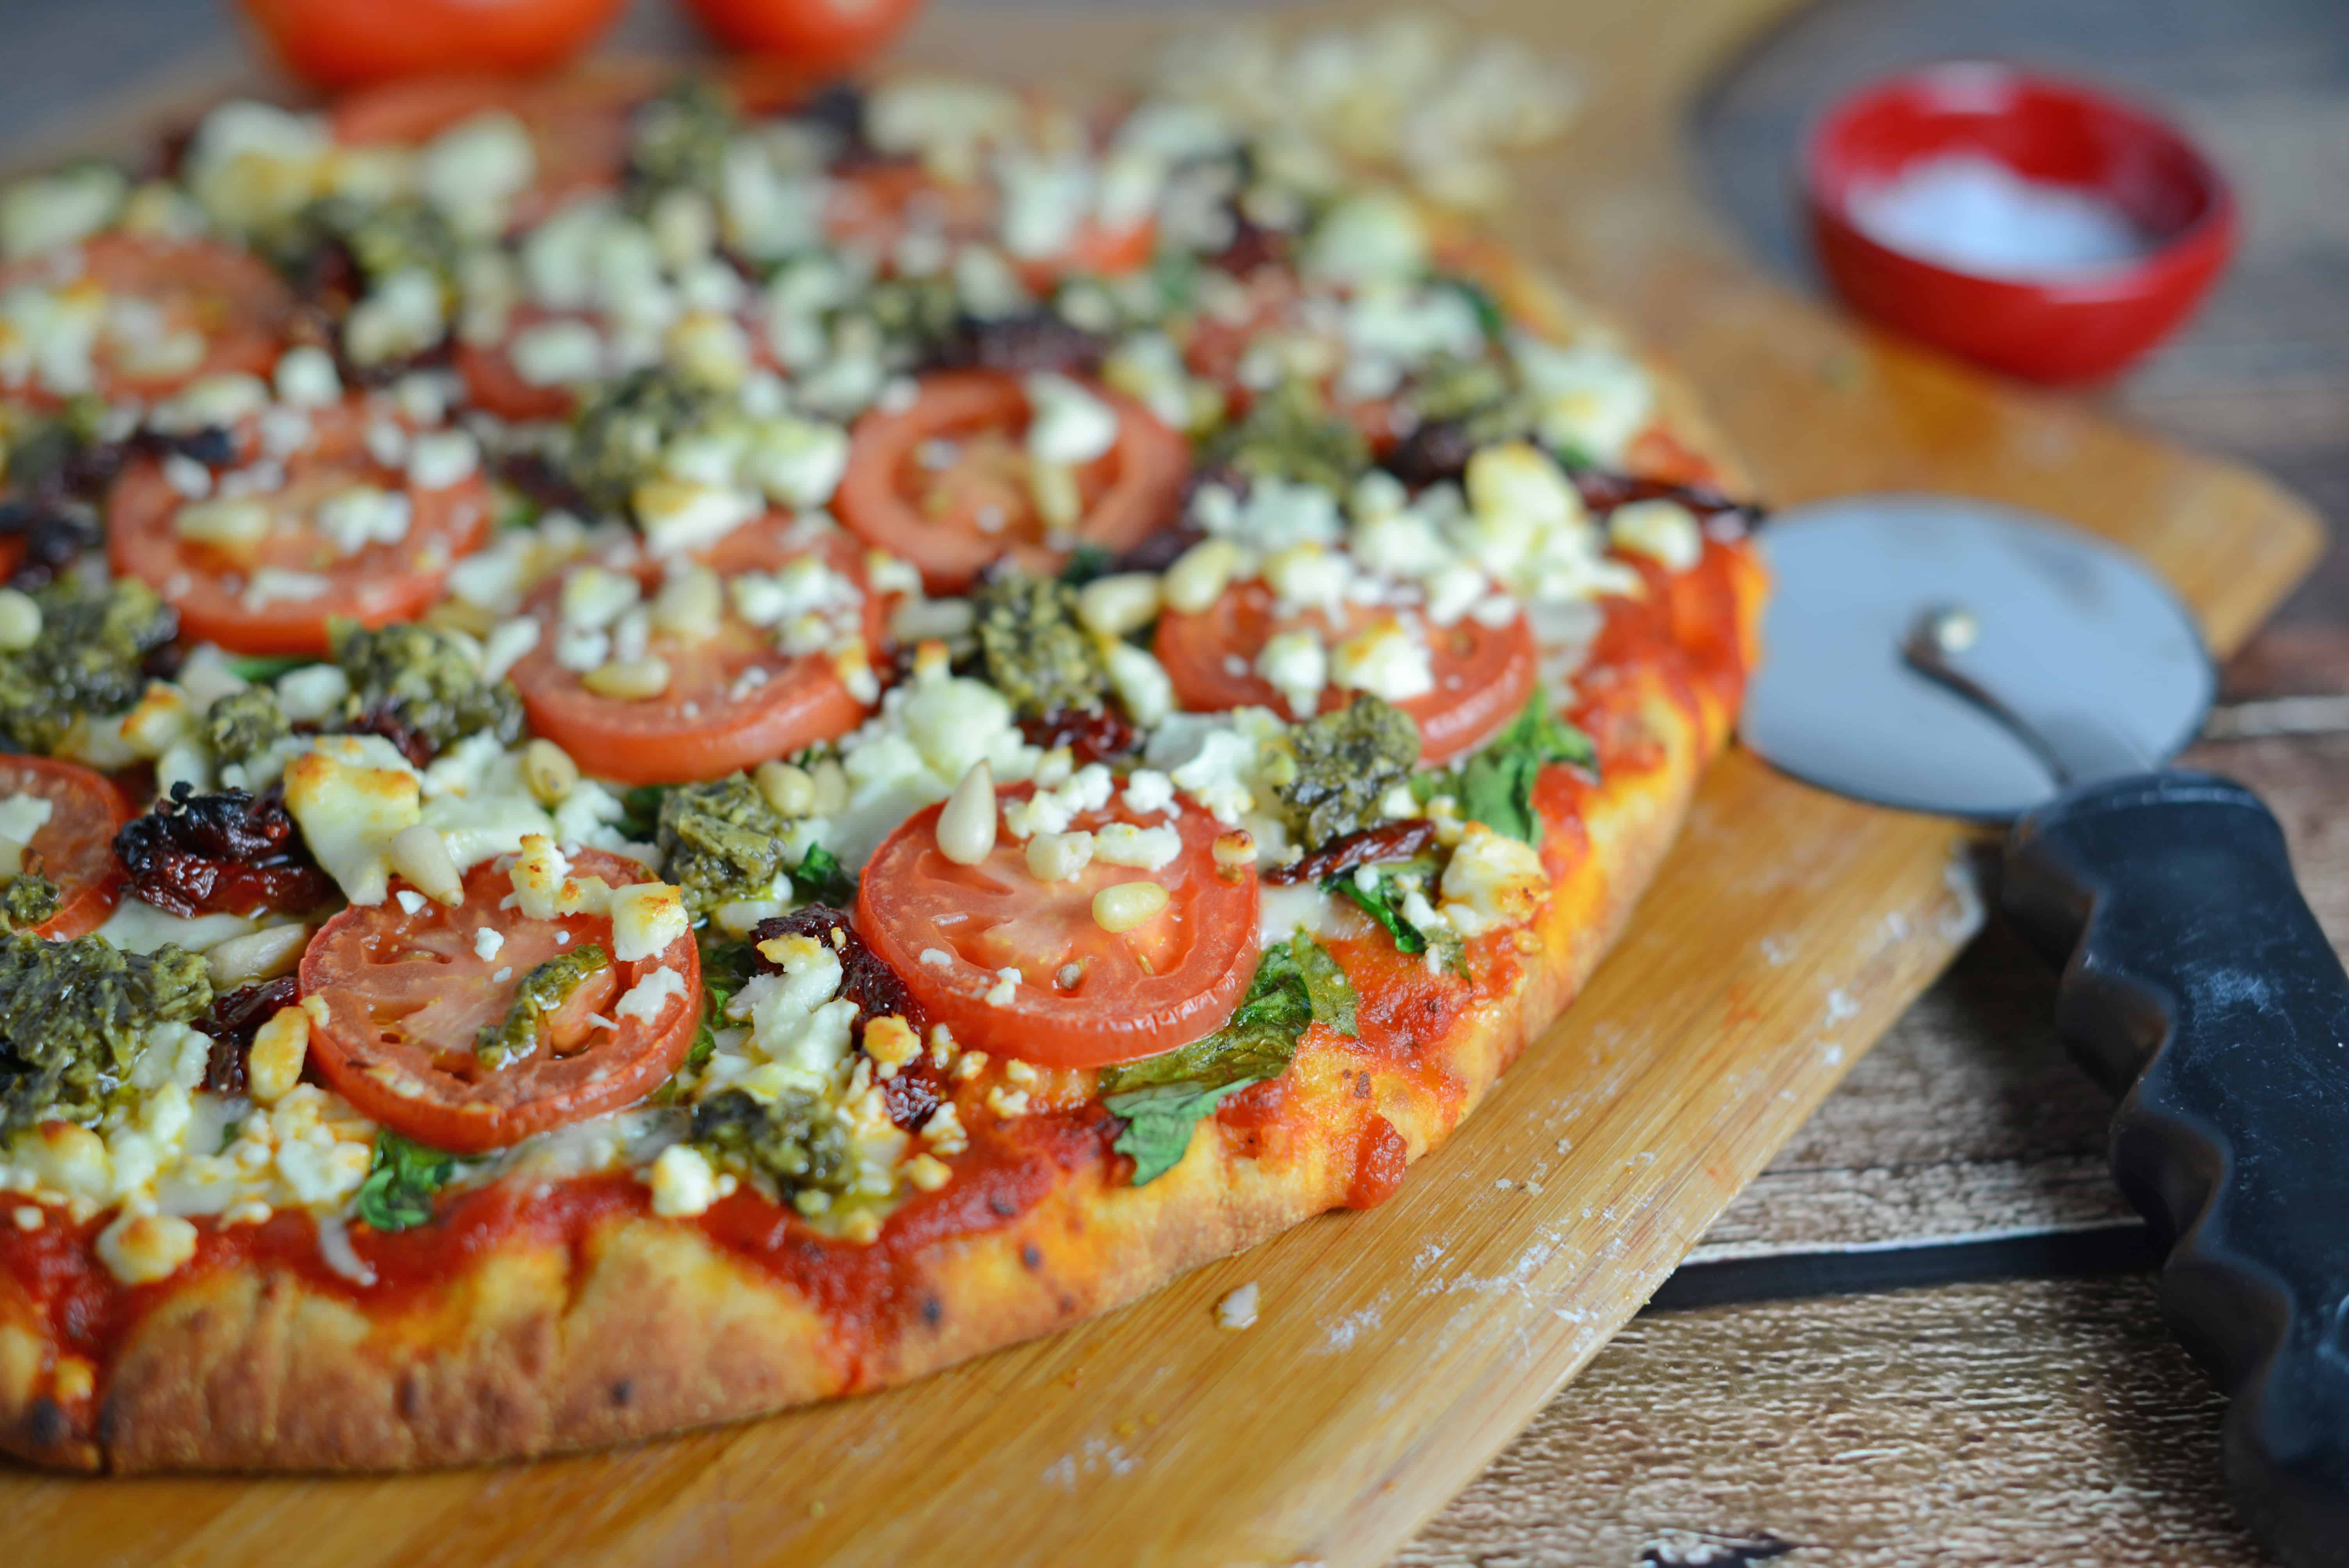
pixel 2075 326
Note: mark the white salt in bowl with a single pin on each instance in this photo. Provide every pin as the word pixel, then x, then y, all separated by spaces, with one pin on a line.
pixel 2026 223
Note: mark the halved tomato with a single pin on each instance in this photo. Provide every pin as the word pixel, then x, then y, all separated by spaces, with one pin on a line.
pixel 404 996
pixel 161 313
pixel 218 588
pixel 1080 995
pixel 1483 674
pixel 342 43
pixel 577 121
pixel 75 848
pixel 735 698
pixel 945 483
pixel 812 34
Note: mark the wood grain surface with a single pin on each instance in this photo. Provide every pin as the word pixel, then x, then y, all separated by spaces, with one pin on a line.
pixel 1400 1349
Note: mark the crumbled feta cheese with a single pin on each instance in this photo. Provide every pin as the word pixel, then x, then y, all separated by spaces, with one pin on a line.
pixel 1144 849
pixel 350 795
pixel 441 458
pixel 650 997
pixel 307 379
pixel 1493 880
pixel 1384 660
pixel 1066 424
pixel 1296 666
pixel 646 918
pixel 682 1181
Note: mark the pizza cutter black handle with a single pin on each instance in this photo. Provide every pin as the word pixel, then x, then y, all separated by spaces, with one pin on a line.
pixel 2196 983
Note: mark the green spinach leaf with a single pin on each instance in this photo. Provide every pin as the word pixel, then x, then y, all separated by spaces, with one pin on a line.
pixel 820 878
pixel 1496 786
pixel 1161 1097
pixel 1381 904
pixel 401 1183
pixel 259 668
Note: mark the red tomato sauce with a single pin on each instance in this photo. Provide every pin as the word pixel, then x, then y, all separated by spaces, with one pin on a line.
pixel 870 1293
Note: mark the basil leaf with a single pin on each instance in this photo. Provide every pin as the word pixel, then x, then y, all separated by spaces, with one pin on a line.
pixel 1326 986
pixel 400 1182
pixel 1496 786
pixel 822 878
pixel 1161 1097
pixel 643 806
pixel 1490 316
pixel 1379 905
pixel 1159 1119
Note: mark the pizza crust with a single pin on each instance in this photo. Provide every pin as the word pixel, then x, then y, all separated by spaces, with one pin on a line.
pixel 651 1326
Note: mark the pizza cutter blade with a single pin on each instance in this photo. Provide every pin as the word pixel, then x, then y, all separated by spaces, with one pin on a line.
pixel 1949 655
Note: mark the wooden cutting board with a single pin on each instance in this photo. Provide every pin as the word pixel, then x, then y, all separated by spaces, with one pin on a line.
pixel 1397 1349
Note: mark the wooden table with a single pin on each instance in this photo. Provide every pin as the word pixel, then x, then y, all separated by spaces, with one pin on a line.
pixel 1928 1332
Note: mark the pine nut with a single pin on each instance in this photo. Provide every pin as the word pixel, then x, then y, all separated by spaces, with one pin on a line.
pixel 1053 486
pixel 788 788
pixel 966 828
pixel 691 606
pixel 273 1066
pixel 629 680
pixel 20 621
pixel 261 955
pixel 1118 605
pixel 232 524
pixel 420 855
pixel 1128 904
pixel 1199 576
pixel 549 771
pixel 830 787
pixel 1237 848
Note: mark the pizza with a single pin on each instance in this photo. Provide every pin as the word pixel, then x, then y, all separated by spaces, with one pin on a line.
pixel 678 748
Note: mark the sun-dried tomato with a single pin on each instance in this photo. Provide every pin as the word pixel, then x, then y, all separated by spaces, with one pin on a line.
pixel 406 738
pixel 225 853
pixel 917 1088
pixel 1091 736
pixel 1034 340
pixel 54 539
pixel 1397 841
pixel 234 1018
pixel 1604 491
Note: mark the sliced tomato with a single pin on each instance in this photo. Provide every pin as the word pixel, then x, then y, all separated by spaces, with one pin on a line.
pixel 345 43
pixel 404 996
pixel 212 586
pixel 1084 996
pixel 944 483
pixel 168 313
pixel 1483 674
pixel 75 848
pixel 716 715
pixel 577 122
pixel 492 382
pixel 813 34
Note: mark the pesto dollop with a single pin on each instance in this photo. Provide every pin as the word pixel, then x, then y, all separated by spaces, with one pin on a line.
pixel 74 1018
pixel 543 990
pixel 720 840
pixel 1347 760
pixel 616 443
pixel 1290 434
pixel 677 141
pixel 89 660
pixel 424 679
pixel 1035 654
pixel 30 900
pixel 243 725
pixel 401 233
pixel 793 1141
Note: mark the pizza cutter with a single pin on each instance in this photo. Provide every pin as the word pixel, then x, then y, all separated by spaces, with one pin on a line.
pixel 1954 656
